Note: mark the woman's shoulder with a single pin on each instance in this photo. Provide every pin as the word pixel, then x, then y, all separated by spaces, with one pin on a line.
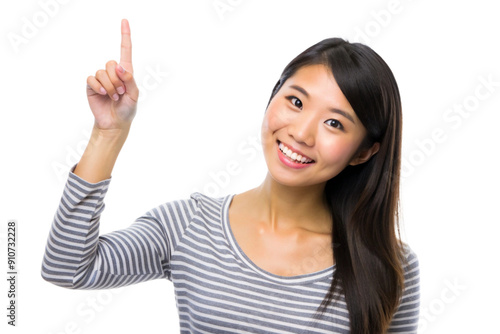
pixel 207 198
pixel 196 199
pixel 408 252
pixel 189 206
pixel 207 201
pixel 197 203
pixel 410 262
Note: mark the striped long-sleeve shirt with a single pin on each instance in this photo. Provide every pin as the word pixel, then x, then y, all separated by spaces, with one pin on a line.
pixel 189 242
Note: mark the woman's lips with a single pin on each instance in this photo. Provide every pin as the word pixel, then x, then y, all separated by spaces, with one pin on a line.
pixel 292 157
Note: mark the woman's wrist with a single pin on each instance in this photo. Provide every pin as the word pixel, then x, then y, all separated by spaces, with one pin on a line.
pixel 111 134
pixel 99 158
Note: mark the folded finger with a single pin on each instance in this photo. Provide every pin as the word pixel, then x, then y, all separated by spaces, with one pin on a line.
pixel 115 80
pixel 104 80
pixel 94 86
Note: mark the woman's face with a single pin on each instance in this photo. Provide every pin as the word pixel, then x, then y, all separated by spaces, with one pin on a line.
pixel 310 132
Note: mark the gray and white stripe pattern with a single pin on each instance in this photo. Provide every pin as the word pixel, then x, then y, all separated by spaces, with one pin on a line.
pixel 189 242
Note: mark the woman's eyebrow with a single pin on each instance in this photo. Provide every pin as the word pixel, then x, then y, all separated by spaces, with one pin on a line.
pixel 300 89
pixel 335 110
pixel 343 113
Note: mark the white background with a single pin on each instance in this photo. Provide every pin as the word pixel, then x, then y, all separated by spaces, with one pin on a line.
pixel 190 123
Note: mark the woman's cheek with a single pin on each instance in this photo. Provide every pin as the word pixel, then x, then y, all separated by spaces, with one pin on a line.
pixel 340 150
pixel 276 119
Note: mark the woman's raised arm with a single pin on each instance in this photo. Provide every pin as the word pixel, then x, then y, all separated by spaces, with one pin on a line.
pixel 76 255
pixel 112 94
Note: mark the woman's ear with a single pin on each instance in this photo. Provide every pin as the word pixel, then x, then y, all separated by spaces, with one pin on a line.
pixel 365 155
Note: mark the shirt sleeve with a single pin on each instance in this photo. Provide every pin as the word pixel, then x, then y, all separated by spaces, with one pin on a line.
pixel 406 318
pixel 77 257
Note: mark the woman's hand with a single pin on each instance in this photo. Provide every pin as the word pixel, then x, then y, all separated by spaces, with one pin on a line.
pixel 112 93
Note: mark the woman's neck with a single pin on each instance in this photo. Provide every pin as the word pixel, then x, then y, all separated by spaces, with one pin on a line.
pixel 287 207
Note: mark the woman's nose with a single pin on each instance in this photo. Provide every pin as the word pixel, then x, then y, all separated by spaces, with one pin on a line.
pixel 303 129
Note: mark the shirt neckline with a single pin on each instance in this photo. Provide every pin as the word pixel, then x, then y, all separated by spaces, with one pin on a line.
pixel 299 279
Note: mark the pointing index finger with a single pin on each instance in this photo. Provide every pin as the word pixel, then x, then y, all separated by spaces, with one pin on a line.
pixel 126 47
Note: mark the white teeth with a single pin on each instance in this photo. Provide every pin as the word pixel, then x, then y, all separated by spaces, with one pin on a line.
pixel 293 155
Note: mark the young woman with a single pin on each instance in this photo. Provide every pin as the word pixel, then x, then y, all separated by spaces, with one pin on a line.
pixel 313 249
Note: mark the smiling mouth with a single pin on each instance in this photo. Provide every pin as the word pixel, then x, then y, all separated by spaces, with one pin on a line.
pixel 293 156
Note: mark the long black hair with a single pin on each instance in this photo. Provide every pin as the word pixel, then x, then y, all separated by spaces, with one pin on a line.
pixel 364 199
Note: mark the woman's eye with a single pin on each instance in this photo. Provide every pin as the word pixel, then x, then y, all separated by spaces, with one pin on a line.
pixel 334 123
pixel 295 101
